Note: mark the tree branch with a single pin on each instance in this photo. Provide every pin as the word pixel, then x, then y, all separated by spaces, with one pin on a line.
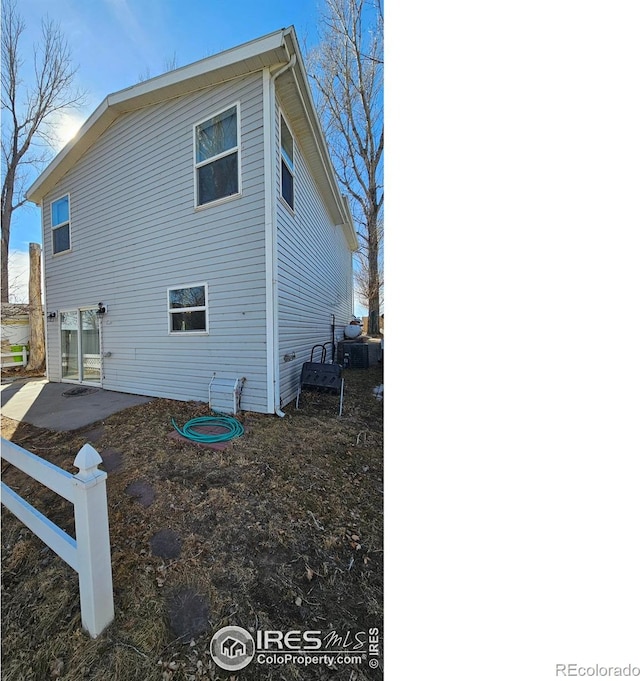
pixel 28 110
pixel 348 86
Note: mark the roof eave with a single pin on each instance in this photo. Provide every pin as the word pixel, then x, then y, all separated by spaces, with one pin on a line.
pixel 339 200
pixel 269 50
pixel 233 63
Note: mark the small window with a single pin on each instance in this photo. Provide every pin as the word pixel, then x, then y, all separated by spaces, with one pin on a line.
pixel 217 158
pixel 286 170
pixel 60 225
pixel 188 309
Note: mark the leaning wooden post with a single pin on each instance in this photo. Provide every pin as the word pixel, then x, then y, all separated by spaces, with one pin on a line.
pixel 92 537
pixel 37 354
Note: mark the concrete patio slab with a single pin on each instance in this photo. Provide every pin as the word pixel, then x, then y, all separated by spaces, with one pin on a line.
pixel 43 404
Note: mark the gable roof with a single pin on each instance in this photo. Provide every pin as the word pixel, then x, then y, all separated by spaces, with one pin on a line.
pixel 273 50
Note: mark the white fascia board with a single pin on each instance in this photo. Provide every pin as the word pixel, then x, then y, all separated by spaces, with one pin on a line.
pixel 166 86
pixel 91 129
pixel 181 81
pixel 352 237
pixel 312 115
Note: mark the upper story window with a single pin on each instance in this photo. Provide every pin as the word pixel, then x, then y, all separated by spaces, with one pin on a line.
pixel 188 309
pixel 286 170
pixel 60 225
pixel 217 144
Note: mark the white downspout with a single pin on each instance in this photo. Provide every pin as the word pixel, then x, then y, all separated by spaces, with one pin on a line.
pixel 271 245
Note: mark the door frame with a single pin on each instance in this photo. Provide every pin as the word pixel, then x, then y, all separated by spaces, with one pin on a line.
pixel 81 379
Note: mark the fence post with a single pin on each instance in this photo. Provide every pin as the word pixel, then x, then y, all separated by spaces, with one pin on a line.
pixel 92 537
pixel 24 355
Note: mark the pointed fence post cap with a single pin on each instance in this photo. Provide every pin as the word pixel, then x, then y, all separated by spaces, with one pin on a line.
pixel 87 460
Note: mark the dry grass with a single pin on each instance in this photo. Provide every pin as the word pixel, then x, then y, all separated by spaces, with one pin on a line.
pixel 281 530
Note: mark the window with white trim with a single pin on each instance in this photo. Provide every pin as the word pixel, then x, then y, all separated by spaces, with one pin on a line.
pixel 217 163
pixel 188 309
pixel 60 225
pixel 286 164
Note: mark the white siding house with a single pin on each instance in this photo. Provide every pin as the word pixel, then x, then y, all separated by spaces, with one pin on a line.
pixel 187 232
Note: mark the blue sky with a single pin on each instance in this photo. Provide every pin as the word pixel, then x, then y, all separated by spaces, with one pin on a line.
pixel 117 43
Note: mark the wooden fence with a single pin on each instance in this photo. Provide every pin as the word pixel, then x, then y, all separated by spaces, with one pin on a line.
pixel 22 363
pixel 89 554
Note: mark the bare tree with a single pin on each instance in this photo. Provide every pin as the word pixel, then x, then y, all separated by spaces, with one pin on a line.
pixel 170 64
pixel 365 285
pixel 29 111
pixel 347 70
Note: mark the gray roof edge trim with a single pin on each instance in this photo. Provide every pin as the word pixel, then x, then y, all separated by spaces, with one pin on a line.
pixel 115 103
pixel 209 64
pixel 339 198
pixel 352 235
pixel 34 193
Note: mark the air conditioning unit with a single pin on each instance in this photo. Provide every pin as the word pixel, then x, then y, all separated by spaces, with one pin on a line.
pixel 358 354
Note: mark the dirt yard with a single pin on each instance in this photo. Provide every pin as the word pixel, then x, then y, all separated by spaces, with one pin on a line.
pixel 281 530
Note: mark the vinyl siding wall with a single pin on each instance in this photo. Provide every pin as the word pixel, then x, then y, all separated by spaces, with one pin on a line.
pixel 135 233
pixel 315 275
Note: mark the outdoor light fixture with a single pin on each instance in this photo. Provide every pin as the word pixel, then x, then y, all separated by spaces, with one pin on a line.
pixel 102 309
pixel 51 315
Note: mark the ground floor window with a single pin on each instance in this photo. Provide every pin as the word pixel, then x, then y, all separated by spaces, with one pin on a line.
pixel 188 309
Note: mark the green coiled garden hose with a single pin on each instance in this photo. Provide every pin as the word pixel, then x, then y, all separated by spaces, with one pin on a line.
pixel 233 427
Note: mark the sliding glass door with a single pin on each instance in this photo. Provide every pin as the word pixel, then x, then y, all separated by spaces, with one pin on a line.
pixel 90 346
pixel 80 346
pixel 70 345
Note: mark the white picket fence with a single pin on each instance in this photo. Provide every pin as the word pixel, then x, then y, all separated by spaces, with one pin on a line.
pixel 21 363
pixel 89 554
